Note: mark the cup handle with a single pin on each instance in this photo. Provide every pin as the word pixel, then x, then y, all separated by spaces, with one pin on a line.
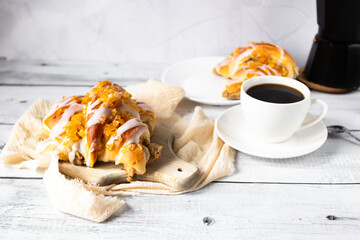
pixel 318 118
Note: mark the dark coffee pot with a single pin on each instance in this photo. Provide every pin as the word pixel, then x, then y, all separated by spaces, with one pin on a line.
pixel 334 59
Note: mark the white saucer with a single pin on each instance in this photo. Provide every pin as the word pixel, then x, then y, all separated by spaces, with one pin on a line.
pixel 231 129
pixel 196 77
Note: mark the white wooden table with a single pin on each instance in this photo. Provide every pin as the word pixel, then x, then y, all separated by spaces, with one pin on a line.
pixel 311 197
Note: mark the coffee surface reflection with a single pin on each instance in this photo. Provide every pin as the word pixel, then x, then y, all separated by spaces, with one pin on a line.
pixel 275 93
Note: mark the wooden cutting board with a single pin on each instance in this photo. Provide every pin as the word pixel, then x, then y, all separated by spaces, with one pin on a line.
pixel 168 169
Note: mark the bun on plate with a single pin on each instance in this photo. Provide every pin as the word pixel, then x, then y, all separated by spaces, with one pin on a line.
pixel 254 59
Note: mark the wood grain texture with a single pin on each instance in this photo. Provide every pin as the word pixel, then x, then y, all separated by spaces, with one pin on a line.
pixel 76 73
pixel 315 196
pixel 234 211
pixel 168 169
pixel 336 161
pixel 343 109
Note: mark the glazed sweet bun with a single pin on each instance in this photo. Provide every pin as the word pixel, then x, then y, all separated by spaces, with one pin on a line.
pixel 254 59
pixel 104 125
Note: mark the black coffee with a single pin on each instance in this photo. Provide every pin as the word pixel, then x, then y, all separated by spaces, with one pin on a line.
pixel 275 93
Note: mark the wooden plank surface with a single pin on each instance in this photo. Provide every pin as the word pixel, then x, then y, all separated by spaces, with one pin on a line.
pixel 337 161
pixel 245 211
pixel 343 109
pixel 76 73
pixel 310 197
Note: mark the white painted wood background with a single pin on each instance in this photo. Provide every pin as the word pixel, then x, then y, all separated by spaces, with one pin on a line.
pixel 311 197
pixel 151 30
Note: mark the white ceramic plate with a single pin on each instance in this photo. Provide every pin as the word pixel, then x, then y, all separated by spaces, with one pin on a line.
pixel 231 129
pixel 196 77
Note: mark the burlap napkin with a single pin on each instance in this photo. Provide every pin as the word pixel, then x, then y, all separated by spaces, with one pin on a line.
pixel 196 142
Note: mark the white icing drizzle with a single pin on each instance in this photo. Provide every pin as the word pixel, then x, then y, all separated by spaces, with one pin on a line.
pixel 282 54
pixel 130 124
pixel 250 44
pixel 72 156
pixel 58 129
pixel 144 106
pixel 238 60
pixel 281 51
pixel 41 146
pixel 235 61
pixel 97 113
pixel 95 119
pixel 93 146
pixel 264 69
pixel 97 116
pixel 91 106
pixel 75 147
pixel 121 89
pixel 254 71
pixel 223 63
pixel 129 109
pixel 275 72
pixel 267 69
pixel 236 81
pixel 135 138
pixel 62 103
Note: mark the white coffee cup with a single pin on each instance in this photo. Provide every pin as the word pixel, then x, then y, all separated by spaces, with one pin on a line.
pixel 277 122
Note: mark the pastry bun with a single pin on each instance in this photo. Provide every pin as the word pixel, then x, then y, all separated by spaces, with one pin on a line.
pixel 104 125
pixel 254 59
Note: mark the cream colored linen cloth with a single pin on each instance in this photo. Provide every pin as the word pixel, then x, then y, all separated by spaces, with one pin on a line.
pixel 195 142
